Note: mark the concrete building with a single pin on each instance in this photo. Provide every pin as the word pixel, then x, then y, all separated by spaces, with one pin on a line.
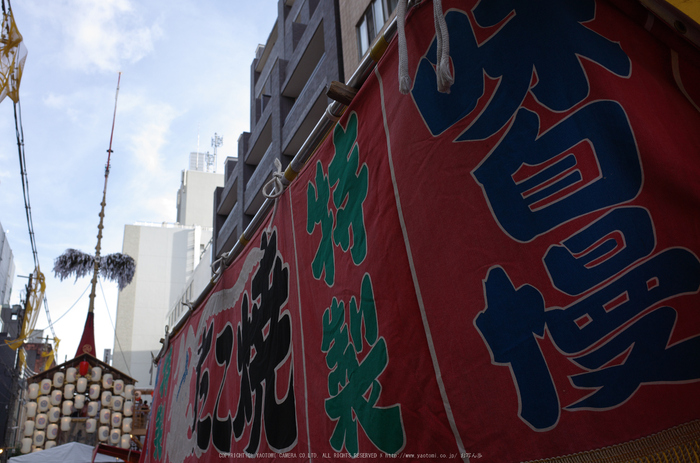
pixel 167 256
pixel 10 326
pixel 361 21
pixel 7 268
pixel 289 77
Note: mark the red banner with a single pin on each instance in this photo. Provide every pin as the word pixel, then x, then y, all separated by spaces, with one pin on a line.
pixel 506 272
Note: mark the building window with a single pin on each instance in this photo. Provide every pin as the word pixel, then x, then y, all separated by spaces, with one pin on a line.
pixel 372 21
pixel 390 6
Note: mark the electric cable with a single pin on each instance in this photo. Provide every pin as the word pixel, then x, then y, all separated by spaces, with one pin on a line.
pixel 116 338
pixel 71 307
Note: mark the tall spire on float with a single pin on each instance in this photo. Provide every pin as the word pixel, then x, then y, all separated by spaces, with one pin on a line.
pixel 119 267
pixel 87 342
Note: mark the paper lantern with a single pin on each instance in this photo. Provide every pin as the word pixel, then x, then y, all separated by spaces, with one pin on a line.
pixel 68 391
pixel 41 421
pixel 33 391
pixel 31 409
pixel 82 385
pixel 67 407
pixel 52 431
pixel 39 438
pixel 49 444
pixel 128 408
pixel 103 433
pixel 119 386
pixel 26 445
pixel 28 428
pixel 115 436
pixel 117 402
pixel 91 425
pixel 104 416
pixel 84 368
pixel 126 441
pixel 45 386
pixel 94 392
pixel 116 420
pixel 107 381
pixel 56 397
pixel 54 414
pixel 96 373
pixel 106 398
pixel 65 423
pixel 129 392
pixel 79 402
pixel 126 425
pixel 93 407
pixel 71 374
pixel 58 379
pixel 43 403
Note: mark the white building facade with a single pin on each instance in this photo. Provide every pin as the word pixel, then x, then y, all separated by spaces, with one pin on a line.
pixel 167 256
pixel 7 268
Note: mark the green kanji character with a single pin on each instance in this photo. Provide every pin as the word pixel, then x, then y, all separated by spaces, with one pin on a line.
pixel 165 374
pixel 317 210
pixel 367 312
pixel 158 438
pixel 350 192
pixel 353 386
pixel 340 357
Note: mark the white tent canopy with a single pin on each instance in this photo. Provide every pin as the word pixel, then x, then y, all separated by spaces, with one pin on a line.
pixel 72 452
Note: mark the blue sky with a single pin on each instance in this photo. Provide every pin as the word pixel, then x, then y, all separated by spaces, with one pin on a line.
pixel 185 75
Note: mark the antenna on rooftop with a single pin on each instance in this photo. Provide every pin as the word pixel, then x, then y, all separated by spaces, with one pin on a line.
pixel 216 142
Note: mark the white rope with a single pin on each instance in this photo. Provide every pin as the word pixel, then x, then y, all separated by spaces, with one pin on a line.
pixel 443 73
pixel 273 189
pixel 217 267
pixel 277 189
pixel 404 79
pixel 275 183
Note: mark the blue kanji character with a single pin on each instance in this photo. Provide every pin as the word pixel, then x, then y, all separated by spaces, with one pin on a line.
pixel 650 360
pixel 508 325
pixel 573 272
pixel 544 38
pixel 441 110
pixel 558 193
pixel 578 327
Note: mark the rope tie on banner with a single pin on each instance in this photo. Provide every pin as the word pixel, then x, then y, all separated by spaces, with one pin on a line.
pixel 404 80
pixel 217 267
pixel 273 189
pixel 275 183
pixel 444 76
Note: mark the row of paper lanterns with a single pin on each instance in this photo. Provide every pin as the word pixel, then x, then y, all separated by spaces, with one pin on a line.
pixel 49 399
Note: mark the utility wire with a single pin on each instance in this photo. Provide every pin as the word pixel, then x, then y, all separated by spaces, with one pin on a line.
pixel 19 131
pixel 116 338
pixel 69 308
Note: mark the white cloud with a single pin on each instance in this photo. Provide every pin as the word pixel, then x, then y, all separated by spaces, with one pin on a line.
pixel 103 35
pixel 150 130
pixel 100 35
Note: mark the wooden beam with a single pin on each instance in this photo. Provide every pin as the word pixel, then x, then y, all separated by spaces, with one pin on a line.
pixel 341 93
